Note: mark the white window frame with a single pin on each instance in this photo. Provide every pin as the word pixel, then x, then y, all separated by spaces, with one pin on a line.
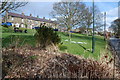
pixel 22 20
pixel 12 19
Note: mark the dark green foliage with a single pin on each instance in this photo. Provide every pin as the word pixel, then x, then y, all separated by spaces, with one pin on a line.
pixel 5 26
pixel 46 36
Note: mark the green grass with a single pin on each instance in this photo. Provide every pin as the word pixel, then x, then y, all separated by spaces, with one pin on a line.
pixel 29 32
pixel 73 48
pixel 83 49
pixel 20 38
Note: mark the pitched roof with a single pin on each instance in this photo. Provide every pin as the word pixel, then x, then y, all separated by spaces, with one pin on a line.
pixel 31 18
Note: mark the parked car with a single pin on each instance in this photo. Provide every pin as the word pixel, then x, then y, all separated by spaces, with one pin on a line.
pixel 36 28
pixel 7 23
pixel 55 29
pixel 72 31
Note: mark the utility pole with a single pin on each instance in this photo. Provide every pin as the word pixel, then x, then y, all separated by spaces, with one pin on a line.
pixel 93 38
pixel 119 9
pixel 104 26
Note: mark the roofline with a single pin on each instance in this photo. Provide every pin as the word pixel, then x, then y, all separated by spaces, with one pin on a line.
pixel 31 18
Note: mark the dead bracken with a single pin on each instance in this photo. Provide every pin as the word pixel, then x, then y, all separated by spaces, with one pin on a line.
pixel 34 63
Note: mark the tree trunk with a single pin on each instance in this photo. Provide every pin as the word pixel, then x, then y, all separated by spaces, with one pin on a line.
pixel 87 32
pixel 69 35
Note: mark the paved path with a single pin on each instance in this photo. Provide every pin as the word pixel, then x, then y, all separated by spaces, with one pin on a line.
pixel 115 43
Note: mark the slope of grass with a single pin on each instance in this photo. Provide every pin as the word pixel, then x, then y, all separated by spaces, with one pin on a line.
pixel 74 48
pixel 83 49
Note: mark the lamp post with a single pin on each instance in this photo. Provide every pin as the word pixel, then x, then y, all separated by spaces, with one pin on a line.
pixel 104 26
pixel 119 9
pixel 93 38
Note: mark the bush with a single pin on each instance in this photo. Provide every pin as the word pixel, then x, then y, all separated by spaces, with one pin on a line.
pixel 6 30
pixel 100 33
pixel 6 26
pixel 46 36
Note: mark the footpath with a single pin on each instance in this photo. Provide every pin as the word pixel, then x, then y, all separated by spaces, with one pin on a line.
pixel 115 45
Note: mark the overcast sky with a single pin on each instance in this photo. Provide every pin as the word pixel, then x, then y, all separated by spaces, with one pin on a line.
pixel 43 9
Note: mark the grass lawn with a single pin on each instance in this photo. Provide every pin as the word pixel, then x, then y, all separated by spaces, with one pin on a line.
pixel 83 49
pixel 18 38
pixel 73 48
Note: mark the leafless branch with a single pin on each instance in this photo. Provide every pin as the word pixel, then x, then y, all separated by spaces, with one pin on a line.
pixel 8 5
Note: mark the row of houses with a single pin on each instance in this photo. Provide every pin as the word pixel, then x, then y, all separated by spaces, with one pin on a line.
pixel 24 21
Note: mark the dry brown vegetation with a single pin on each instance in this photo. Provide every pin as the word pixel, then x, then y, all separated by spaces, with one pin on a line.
pixel 35 63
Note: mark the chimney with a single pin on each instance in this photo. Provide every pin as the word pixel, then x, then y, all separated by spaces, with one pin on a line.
pixel 30 14
pixel 22 13
pixel 43 17
pixel 37 16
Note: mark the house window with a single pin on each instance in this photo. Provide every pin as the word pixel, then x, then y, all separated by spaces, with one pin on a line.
pixel 29 20
pixel 22 20
pixel 36 22
pixel 12 19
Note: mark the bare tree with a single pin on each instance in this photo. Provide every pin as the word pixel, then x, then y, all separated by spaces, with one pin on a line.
pixel 116 27
pixel 8 5
pixel 98 19
pixel 88 18
pixel 68 14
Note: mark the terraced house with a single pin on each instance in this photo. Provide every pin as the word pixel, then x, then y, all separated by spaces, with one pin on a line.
pixel 22 20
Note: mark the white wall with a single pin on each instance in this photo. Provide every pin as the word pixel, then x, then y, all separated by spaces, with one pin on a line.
pixel 17 24
pixel 22 25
